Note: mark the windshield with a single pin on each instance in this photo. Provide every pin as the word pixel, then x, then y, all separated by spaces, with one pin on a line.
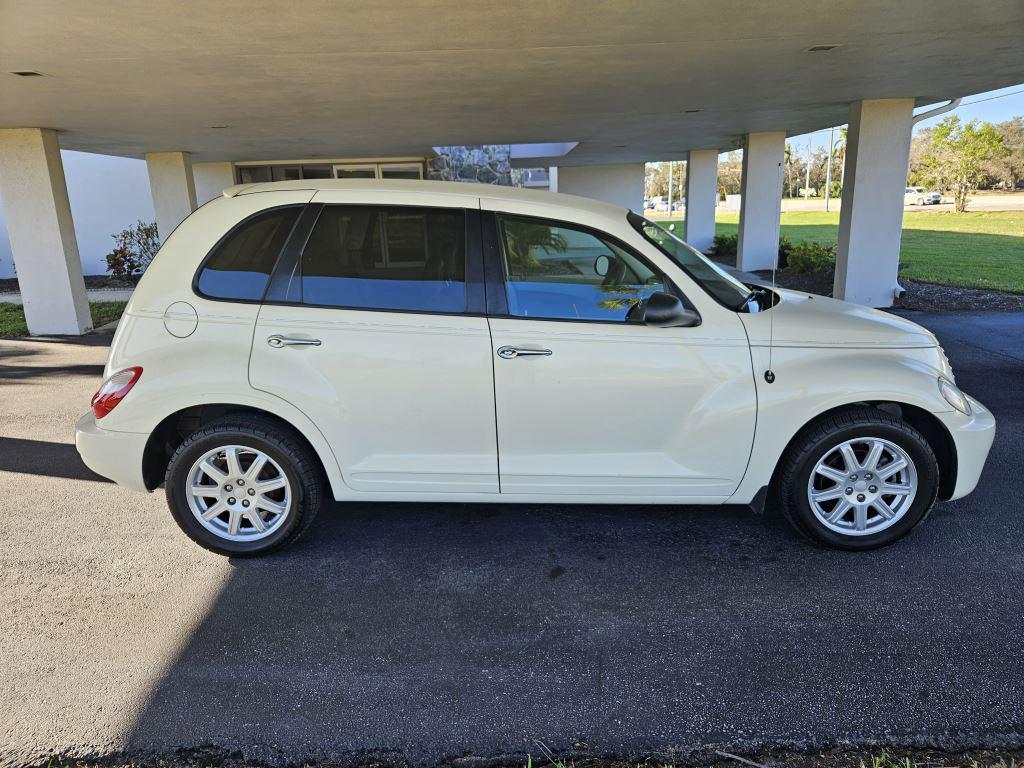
pixel 722 286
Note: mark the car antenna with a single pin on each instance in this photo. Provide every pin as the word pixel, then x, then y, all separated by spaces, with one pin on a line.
pixel 769 374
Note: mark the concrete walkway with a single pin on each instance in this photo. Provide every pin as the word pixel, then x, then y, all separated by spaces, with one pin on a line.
pixel 95 294
pixel 437 631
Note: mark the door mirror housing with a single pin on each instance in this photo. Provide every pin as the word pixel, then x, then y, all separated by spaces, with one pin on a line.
pixel 663 310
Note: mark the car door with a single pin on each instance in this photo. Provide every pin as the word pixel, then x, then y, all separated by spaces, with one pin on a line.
pixel 373 325
pixel 590 403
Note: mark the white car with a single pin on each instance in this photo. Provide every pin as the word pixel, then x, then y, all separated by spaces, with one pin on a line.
pixel 921 196
pixel 435 342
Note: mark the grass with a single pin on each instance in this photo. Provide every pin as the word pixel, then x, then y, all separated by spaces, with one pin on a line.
pixel 12 318
pixel 976 249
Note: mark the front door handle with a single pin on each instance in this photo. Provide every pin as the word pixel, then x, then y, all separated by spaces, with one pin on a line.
pixel 509 353
pixel 277 341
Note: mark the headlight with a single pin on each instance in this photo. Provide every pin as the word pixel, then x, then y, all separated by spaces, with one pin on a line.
pixel 954 396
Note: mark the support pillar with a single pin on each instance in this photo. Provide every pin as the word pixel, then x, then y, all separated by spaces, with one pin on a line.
pixel 701 196
pixel 42 232
pixel 761 200
pixel 871 212
pixel 212 179
pixel 616 184
pixel 173 188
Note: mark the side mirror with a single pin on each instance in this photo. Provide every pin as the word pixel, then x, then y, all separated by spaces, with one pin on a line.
pixel 663 310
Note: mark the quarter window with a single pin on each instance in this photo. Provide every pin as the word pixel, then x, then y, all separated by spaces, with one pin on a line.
pixel 367 257
pixel 240 265
pixel 559 272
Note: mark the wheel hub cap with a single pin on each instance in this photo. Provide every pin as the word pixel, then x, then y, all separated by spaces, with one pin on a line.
pixel 862 486
pixel 238 493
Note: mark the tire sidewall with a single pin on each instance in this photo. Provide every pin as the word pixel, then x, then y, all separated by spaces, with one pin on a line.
pixel 177 496
pixel 927 477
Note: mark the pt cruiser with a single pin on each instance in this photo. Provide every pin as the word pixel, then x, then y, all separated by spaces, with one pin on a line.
pixel 424 341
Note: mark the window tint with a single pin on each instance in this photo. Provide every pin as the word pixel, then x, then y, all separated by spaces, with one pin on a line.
pixel 386 258
pixel 240 266
pixel 558 272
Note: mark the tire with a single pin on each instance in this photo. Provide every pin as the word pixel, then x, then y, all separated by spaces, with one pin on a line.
pixel 920 201
pixel 248 438
pixel 822 445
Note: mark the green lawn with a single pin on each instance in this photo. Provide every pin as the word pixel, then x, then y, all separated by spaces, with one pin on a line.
pixel 12 319
pixel 976 249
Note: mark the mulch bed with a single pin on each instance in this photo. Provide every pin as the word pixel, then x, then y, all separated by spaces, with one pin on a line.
pixel 10 284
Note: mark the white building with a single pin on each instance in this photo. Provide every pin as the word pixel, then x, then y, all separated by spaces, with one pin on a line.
pixel 209 96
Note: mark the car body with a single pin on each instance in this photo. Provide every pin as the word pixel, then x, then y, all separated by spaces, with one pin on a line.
pixel 558 349
pixel 921 196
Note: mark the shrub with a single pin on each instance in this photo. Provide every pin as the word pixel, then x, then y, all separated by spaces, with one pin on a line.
pixel 725 246
pixel 785 248
pixel 807 258
pixel 134 249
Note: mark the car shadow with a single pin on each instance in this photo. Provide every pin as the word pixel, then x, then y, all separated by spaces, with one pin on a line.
pixel 41 457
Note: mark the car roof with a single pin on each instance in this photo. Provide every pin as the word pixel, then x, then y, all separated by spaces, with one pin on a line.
pixel 413 186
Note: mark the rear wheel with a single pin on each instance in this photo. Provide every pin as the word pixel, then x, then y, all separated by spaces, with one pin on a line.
pixel 859 479
pixel 243 486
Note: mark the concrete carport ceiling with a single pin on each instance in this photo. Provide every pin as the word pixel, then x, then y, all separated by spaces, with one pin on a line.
pixel 372 78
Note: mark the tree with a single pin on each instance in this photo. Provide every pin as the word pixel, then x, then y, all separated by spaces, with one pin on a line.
pixel 956 153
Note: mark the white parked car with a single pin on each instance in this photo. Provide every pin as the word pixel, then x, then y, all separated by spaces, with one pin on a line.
pixel 424 341
pixel 921 196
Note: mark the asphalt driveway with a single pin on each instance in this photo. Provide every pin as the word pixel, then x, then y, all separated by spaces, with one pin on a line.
pixel 434 632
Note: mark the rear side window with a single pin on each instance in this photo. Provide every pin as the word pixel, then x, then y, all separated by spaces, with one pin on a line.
pixel 365 257
pixel 240 265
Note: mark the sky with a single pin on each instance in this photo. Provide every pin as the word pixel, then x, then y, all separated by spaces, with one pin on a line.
pixel 109 194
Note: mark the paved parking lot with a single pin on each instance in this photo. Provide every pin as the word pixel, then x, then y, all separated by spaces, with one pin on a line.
pixel 440 631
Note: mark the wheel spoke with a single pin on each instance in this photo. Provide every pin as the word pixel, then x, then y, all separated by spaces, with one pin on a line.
pixel 860 517
pixel 234 520
pixel 884 509
pixel 837 513
pixel 871 460
pixel 896 489
pixel 255 468
pixel 213 472
pixel 849 457
pixel 832 474
pixel 256 520
pixel 890 469
pixel 234 467
pixel 278 508
pixel 832 493
pixel 205 491
pixel 273 484
pixel 213 511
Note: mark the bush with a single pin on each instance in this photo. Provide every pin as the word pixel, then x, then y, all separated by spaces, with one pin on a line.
pixel 134 249
pixel 808 258
pixel 725 246
pixel 785 248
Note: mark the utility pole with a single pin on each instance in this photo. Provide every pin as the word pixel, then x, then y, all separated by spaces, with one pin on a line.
pixel 828 170
pixel 807 181
pixel 670 189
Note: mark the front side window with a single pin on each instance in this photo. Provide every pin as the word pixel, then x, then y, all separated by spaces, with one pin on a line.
pixel 722 286
pixel 239 267
pixel 559 272
pixel 366 257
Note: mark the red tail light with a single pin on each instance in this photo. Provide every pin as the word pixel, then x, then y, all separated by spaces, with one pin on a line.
pixel 113 390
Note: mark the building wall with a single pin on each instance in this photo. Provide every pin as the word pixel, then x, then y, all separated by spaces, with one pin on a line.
pixel 107 195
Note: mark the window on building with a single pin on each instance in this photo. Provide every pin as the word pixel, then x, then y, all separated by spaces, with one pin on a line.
pixel 239 267
pixel 411 259
pixel 559 272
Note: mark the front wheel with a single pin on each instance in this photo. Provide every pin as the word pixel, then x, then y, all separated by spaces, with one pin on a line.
pixel 858 479
pixel 243 486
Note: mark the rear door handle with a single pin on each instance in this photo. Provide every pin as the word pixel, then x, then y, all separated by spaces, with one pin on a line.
pixel 277 341
pixel 510 353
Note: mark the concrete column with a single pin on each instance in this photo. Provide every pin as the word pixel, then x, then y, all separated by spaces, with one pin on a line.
pixel 173 188
pixel 617 184
pixel 701 195
pixel 871 213
pixel 552 178
pixel 42 232
pixel 211 179
pixel 761 200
